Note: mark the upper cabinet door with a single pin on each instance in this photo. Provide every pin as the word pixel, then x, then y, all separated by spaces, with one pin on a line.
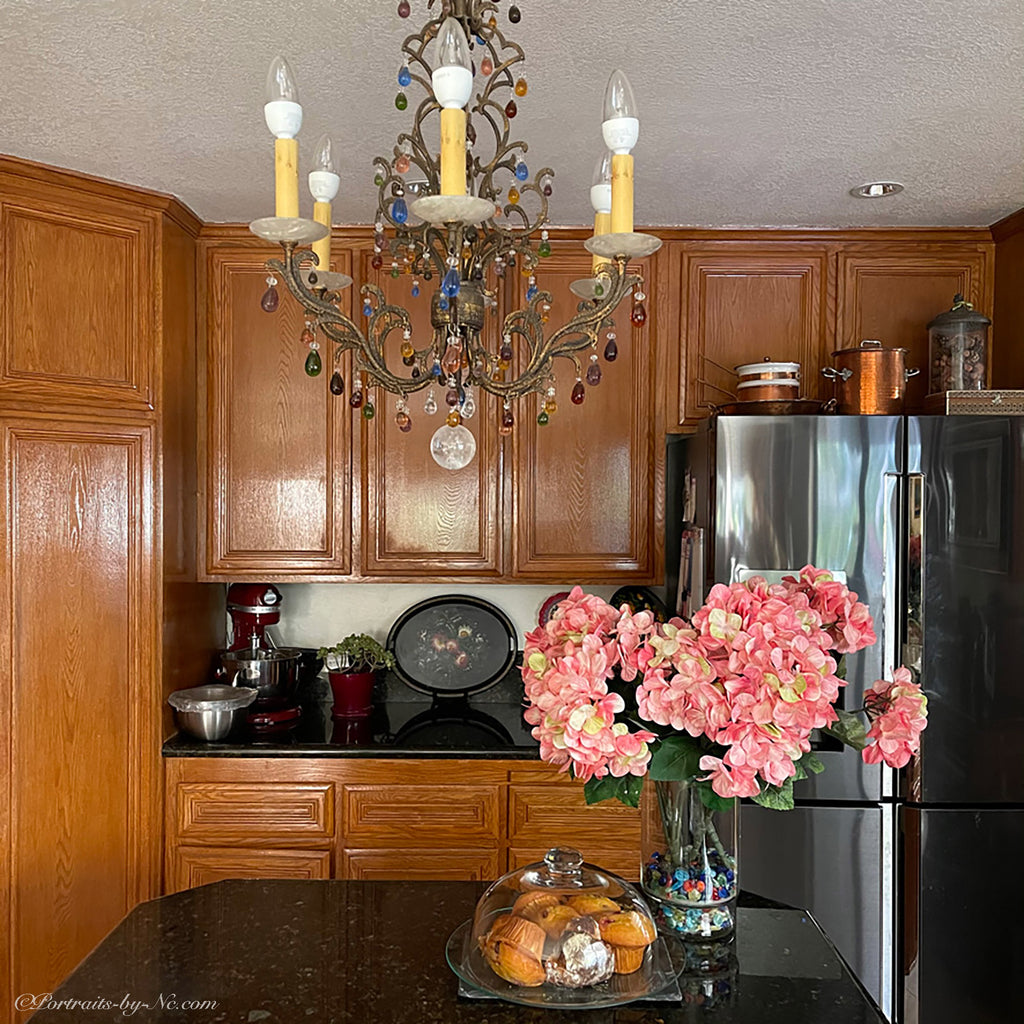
pixel 891 293
pixel 277 448
pixel 417 518
pixel 740 304
pixel 585 497
pixel 78 322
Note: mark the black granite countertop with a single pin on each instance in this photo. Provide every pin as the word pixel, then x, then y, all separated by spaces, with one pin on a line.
pixel 283 952
pixel 404 723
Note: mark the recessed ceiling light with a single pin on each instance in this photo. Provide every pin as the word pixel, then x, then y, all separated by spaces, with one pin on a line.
pixel 876 189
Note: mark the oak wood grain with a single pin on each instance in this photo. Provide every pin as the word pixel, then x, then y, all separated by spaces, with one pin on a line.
pixel 411 863
pixel 1007 370
pixel 195 865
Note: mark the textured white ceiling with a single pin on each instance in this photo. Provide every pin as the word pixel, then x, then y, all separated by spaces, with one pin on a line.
pixel 753 112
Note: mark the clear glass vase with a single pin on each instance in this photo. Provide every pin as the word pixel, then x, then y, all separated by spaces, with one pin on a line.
pixel 688 868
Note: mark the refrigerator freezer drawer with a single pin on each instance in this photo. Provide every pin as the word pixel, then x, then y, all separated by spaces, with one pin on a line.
pixel 837 863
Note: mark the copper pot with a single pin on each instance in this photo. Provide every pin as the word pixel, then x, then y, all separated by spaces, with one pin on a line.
pixel 870 379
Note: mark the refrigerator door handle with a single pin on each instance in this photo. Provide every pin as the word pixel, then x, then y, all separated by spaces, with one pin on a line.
pixel 892 620
pixel 913 635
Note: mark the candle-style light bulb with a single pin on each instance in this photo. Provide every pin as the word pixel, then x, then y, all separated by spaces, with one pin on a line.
pixel 620 127
pixel 452 78
pixel 324 179
pixel 282 110
pixel 601 188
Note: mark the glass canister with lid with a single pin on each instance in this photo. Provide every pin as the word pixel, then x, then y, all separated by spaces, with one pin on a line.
pixel 958 349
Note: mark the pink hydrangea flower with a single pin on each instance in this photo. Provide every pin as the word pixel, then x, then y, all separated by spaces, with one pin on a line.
pixel 898 713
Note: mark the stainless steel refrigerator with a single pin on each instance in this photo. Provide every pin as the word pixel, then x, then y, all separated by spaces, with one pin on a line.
pixel 914 874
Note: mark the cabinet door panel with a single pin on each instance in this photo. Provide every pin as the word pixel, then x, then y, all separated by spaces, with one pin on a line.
pixel 420 519
pixel 585 500
pixel 193 865
pixel 277 440
pixel 79 604
pixel 95 349
pixel 742 306
pixel 891 296
pixel 556 814
pixel 400 815
pixel 456 864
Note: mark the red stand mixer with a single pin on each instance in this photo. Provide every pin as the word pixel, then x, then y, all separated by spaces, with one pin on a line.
pixel 253 659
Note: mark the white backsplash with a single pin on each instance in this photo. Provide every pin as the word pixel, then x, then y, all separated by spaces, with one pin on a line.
pixel 318 614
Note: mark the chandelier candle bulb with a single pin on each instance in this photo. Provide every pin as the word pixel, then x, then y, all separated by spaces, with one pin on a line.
pixel 620 129
pixel 323 186
pixel 283 115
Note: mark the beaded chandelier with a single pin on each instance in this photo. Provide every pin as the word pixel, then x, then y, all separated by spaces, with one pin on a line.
pixel 455 224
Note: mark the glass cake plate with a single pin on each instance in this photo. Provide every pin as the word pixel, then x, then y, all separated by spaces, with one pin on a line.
pixel 655 980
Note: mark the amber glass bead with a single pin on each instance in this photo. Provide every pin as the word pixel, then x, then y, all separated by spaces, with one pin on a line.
pixel 407 349
pixel 453 419
pixel 513 195
pixel 511 109
pixel 404 422
pixel 521 87
pixel 486 67
pixel 579 392
pixel 639 315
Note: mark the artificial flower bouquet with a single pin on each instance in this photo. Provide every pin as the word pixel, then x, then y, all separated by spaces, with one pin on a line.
pixel 727 701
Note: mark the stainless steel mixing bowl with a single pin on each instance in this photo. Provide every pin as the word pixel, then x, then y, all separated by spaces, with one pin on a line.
pixel 209 712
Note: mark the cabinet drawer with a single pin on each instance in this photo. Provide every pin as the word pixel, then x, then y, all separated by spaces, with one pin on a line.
pixel 254 812
pixel 557 814
pixel 428 865
pixel 192 865
pixel 433 816
pixel 624 862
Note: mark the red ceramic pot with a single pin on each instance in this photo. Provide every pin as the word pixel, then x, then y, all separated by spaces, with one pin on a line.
pixel 353 693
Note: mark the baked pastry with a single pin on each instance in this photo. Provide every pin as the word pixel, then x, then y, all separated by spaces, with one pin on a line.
pixel 532 904
pixel 629 933
pixel 513 948
pixel 554 919
pixel 592 903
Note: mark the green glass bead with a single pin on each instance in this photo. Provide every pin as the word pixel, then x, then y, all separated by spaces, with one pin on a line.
pixel 599 290
pixel 401 101
pixel 368 411
pixel 378 180
pixel 542 419
pixel 313 364
pixel 394 271
pixel 544 249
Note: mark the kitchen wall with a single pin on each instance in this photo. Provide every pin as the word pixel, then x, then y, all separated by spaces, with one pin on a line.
pixel 315 614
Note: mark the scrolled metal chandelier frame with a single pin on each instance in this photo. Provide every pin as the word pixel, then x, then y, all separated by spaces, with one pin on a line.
pixel 460 245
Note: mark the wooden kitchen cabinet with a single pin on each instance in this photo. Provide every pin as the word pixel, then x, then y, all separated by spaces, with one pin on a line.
pixel 738 303
pixel 586 504
pixel 386 818
pixel 276 441
pixel 417 518
pixel 890 293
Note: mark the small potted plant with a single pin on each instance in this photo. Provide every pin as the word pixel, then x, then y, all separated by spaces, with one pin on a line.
pixel 352 669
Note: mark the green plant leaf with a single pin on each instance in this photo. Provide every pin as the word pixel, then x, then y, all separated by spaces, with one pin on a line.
pixel 675 759
pixel 776 798
pixel 626 790
pixel 711 800
pixel 849 730
pixel 809 763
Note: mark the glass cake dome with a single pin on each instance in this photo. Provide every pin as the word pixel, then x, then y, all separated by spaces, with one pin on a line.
pixel 561 932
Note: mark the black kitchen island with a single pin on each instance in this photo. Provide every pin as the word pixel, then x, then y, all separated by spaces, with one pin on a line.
pixel 281 952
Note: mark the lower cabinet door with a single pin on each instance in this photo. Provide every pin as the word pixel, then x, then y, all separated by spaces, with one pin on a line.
pixel 448 865
pixel 194 865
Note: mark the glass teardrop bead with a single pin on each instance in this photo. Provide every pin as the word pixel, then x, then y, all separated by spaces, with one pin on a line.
pixel 454 418
pixel 408 360
pixel 399 211
pixel 452 397
pixel 270 300
pixel 313 364
pixel 402 163
pixel 415 291
pixel 505 352
pixel 442 303
pixel 404 422
pixel 522 171
pixel 547 189
pixel 579 392
pixel 514 14
pixel 511 109
pixel 377 262
pixel 403 8
pixel 306 336
pixel 639 315
pixel 378 180
pixel 470 133
pixel 521 87
pixel 401 101
pixel 593 375
pixel 356 399
pixel 430 406
pixel 380 240
pixel 551 407
pixel 451 283
pixel 404 78
pixel 394 271
pixel 406 349
pixel 337 384
pixel 542 419
pixel 611 351
pixel 531 293
pixel 369 411
pixel 513 196
pixel 486 67
pixel 544 249
pixel 367 309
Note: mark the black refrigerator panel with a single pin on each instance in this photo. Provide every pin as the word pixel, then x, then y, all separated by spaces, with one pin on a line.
pixel 836 862
pixel 775 493
pixel 963 943
pixel 965 596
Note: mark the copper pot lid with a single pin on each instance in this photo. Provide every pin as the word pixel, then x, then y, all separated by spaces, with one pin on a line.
pixel 869 345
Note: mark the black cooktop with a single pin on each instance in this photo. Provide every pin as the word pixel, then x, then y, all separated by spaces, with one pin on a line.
pixel 403 723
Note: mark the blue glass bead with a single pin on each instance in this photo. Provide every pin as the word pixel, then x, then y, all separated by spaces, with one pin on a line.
pixel 451 284
pixel 522 173
pixel 729 875
pixel 404 78
pixel 436 369
pixel 415 291
pixel 399 211
pixel 679 874
pixel 367 310
pixel 479 40
pixel 531 293
pixel 442 302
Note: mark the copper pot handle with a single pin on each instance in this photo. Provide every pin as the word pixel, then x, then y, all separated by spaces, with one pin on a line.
pixel 833 374
pixel 907 374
